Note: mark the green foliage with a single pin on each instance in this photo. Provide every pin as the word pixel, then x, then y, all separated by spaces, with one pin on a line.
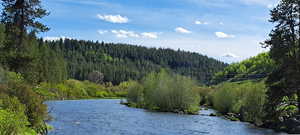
pixel 254 68
pixel 19 104
pixel 74 89
pixel 21 22
pixel 288 108
pixel 205 94
pixel 136 94
pixel 246 99
pixel 36 111
pixel 12 123
pixel 165 92
pixel 12 116
pixel 225 97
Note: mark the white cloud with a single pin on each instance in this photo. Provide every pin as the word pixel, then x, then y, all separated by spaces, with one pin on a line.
pixel 182 30
pixel 150 35
pixel 230 55
pixel 113 18
pixel 200 22
pixel 130 34
pixel 223 35
pixel 55 38
pixel 221 23
pixel 125 34
pixel 101 32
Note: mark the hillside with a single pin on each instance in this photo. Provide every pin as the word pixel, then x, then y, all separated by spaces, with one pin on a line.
pixel 122 62
pixel 253 68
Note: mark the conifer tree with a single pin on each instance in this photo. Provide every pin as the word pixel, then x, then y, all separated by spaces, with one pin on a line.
pixel 21 25
pixel 285 51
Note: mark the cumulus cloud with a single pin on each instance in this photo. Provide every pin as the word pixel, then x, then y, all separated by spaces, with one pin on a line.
pixel 113 18
pixel 182 30
pixel 224 35
pixel 200 22
pixel 125 34
pixel 230 55
pixel 55 38
pixel 150 35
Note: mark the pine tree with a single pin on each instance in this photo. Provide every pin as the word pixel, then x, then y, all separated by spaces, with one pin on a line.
pixel 20 20
pixel 284 50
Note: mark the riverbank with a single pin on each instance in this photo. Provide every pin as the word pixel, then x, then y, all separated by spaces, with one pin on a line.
pixel 244 101
pixel 74 89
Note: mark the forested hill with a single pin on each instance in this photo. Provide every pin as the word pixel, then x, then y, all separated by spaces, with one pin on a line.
pixel 122 62
pixel 257 67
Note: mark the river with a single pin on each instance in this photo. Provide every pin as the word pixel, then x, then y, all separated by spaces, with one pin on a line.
pixel 109 117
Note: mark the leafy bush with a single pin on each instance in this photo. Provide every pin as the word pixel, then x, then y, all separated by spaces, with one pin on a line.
pixel 136 94
pixel 36 111
pixel 74 89
pixel 253 102
pixel 225 97
pixel 246 99
pixel 165 92
pixel 205 94
pixel 12 116
pixel 12 123
pixel 21 108
pixel 288 108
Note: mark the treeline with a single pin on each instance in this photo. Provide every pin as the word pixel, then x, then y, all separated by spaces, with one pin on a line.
pixel 122 62
pixel 55 61
pixel 37 62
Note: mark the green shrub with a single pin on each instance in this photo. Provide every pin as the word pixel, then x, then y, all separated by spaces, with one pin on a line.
pixel 74 89
pixel 253 102
pixel 246 99
pixel 12 123
pixel 47 91
pixel 204 94
pixel 225 97
pixel 13 120
pixel 288 108
pixel 165 92
pixel 36 111
pixel 101 94
pixel 136 94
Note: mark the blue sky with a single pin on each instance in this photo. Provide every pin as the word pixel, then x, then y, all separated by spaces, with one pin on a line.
pixel 228 30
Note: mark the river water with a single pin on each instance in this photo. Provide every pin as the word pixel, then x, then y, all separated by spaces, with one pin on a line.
pixel 109 117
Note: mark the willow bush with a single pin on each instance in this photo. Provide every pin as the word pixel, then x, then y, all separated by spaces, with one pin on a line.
pixel 165 92
pixel 245 98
